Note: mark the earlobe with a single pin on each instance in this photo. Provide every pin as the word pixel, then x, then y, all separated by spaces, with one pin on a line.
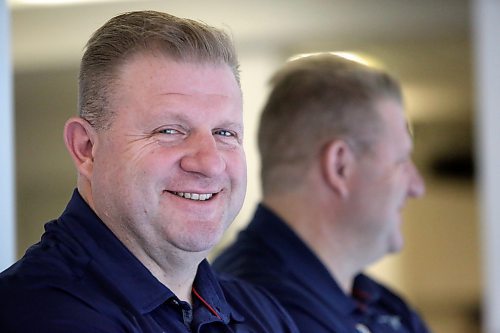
pixel 79 137
pixel 337 164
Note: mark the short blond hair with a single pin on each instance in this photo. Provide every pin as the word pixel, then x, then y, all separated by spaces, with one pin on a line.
pixel 143 31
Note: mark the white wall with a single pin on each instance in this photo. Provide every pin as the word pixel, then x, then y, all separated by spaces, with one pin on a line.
pixel 7 229
pixel 487 65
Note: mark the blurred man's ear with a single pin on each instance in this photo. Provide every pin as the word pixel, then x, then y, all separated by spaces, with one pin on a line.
pixel 337 165
pixel 79 137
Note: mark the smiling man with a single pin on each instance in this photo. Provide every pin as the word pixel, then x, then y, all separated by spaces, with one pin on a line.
pixel 158 146
pixel 336 173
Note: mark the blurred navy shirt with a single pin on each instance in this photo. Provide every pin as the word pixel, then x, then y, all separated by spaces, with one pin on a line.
pixel 268 253
pixel 81 278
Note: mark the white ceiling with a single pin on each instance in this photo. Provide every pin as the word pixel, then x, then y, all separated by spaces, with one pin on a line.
pixel 52 32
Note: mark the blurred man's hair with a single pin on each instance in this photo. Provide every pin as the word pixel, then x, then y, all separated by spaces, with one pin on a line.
pixel 314 100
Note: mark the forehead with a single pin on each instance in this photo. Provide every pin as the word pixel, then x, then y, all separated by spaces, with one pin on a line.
pixel 154 84
pixel 152 68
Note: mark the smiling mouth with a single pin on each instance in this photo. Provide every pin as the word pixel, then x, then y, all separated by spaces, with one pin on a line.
pixel 194 196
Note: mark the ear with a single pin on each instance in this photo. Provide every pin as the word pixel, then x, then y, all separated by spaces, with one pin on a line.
pixel 338 163
pixel 79 137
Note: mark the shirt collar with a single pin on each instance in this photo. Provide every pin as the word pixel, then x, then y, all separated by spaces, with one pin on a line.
pixel 366 291
pixel 207 285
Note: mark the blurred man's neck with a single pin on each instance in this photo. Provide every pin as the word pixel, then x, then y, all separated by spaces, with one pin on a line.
pixel 331 247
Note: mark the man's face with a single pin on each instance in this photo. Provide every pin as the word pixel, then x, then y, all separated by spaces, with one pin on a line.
pixel 171 170
pixel 386 178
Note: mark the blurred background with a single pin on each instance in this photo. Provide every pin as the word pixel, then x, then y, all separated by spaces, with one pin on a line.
pixel 425 43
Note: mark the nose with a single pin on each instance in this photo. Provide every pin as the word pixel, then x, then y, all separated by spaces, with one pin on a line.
pixel 203 156
pixel 417 185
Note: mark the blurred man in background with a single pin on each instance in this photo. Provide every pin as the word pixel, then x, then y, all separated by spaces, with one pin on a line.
pixel 336 173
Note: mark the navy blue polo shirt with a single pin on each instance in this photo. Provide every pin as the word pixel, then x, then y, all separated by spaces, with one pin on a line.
pixel 268 253
pixel 81 278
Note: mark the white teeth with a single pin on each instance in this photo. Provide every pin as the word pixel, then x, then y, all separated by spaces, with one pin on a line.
pixel 194 196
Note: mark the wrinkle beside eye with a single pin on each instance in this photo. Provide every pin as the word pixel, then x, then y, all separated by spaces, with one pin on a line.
pixel 132 138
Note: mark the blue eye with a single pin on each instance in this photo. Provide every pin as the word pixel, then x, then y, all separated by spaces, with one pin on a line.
pixel 224 133
pixel 169 131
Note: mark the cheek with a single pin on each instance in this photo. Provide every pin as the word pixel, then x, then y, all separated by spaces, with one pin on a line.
pixel 243 170
pixel 400 180
pixel 237 172
pixel 147 163
pixel 236 166
pixel 110 159
pixel 391 179
pixel 107 169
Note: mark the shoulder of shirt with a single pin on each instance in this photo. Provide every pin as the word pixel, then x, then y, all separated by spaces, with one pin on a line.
pixel 234 287
pixel 256 299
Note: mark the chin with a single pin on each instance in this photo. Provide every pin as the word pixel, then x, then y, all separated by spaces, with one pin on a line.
pixel 196 246
pixel 203 242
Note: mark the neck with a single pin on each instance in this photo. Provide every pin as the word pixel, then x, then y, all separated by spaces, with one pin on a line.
pixel 314 220
pixel 177 274
pixel 173 267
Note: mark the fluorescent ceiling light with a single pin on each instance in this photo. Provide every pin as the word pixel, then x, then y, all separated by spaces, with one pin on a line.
pixel 353 56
